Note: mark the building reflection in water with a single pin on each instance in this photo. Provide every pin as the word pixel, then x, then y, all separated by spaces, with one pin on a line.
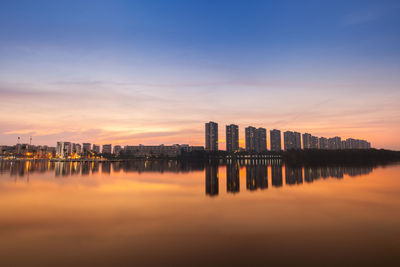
pixel 310 174
pixel 95 167
pixel 232 178
pixel 76 168
pixel 63 169
pixel 106 167
pixel 336 172
pixel 276 174
pixel 315 173
pixel 293 175
pixel 256 171
pixel 256 176
pixel 212 180
pixel 86 166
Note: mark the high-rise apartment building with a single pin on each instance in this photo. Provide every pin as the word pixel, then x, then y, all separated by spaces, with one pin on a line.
pixel 351 143
pixel 261 140
pixel 334 143
pixel 323 143
pixel 343 145
pixel 291 140
pixel 256 139
pixel 287 140
pixel 297 138
pixel 314 142
pixel 250 133
pixel 232 138
pixel 211 136
pixel 275 136
pixel 306 141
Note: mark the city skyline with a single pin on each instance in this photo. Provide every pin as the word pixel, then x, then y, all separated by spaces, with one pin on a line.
pixel 151 73
pixel 256 140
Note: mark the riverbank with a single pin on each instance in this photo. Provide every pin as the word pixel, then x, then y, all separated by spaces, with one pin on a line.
pixel 309 156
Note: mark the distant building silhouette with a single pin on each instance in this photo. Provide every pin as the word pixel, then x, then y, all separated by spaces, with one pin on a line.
pixel 149 151
pixel 323 143
pixel 76 148
pixel 211 136
pixel 250 134
pixel 306 141
pixel 117 150
pixel 297 137
pixel 275 136
pixel 291 140
pixel 334 143
pixel 86 148
pixel 64 149
pixel 96 149
pixel 314 142
pixel 351 143
pixel 261 140
pixel 232 138
pixel 310 141
pixel 256 139
pixel 106 149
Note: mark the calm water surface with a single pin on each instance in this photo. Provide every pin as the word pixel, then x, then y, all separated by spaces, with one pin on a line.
pixel 169 213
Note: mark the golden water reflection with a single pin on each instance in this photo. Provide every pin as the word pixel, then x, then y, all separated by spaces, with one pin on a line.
pixel 151 213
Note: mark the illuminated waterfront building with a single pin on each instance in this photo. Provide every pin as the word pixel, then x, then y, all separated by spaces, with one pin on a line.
pixel 275 138
pixel 261 140
pixel 323 143
pixel 211 136
pixel 232 138
pixel 64 149
pixel 334 143
pixel 291 140
pixel 250 134
pixel 314 142
pixel 106 149
pixel 86 148
pixel 76 148
pixel 306 141
pixel 96 149
pixel 117 149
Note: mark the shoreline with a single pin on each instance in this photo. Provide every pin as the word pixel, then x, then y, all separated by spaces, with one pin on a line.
pixel 292 156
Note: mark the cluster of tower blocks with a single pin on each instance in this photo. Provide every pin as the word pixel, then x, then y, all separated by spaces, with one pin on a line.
pixel 256 140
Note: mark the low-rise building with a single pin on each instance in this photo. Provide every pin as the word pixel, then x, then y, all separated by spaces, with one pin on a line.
pixel 96 149
pixel 117 150
pixel 106 149
pixel 153 151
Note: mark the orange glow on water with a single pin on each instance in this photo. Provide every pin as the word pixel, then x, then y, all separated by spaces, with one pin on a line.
pixel 103 216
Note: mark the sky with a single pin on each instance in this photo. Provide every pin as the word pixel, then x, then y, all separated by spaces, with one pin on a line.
pixel 153 72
